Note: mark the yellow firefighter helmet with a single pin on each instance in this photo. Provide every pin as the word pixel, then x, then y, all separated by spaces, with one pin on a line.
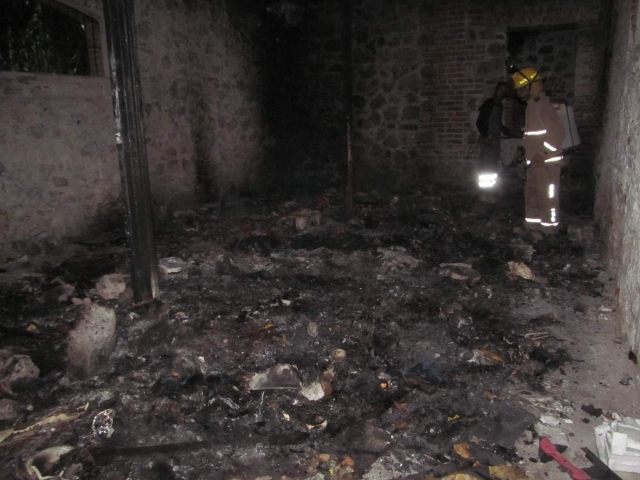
pixel 526 76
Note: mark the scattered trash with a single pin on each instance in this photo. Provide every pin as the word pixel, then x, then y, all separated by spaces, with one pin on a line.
pixel 460 476
pixel 313 392
pixel 17 434
pixel 362 348
pixel 338 355
pixel 278 377
pixel 618 442
pixel 518 269
pixel 485 358
pixel 507 472
pixel 397 257
pixel 549 420
pixel 550 449
pixel 42 464
pixel 553 433
pixel 626 381
pixel 503 425
pixel 312 329
pixel 591 410
pixel 319 423
pixel 459 271
pixel 462 450
pixel 364 439
pixel 102 425
pixel 428 370
pixel 16 370
pixel 536 335
pixel 171 265
pixel 390 467
pixel 111 286
pixel 303 219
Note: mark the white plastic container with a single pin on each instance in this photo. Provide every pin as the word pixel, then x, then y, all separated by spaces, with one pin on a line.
pixel 618 443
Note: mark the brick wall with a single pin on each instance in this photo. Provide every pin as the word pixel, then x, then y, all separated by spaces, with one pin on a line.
pixel 59 172
pixel 387 99
pixel 618 171
pixel 468 53
pixel 421 67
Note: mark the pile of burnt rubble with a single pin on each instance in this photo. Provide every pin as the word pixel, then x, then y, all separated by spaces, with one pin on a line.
pixel 290 341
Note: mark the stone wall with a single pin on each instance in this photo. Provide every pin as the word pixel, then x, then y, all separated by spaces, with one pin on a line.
pixel 421 67
pixel 303 74
pixel 59 170
pixel 618 196
pixel 58 164
pixel 389 75
pixel 201 99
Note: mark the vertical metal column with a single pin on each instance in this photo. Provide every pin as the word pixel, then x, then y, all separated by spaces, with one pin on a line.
pixel 348 87
pixel 130 140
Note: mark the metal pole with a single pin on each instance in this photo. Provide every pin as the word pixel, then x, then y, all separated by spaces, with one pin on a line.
pixel 348 87
pixel 130 141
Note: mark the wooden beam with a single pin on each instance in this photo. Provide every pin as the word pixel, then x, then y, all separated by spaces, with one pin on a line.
pixel 130 140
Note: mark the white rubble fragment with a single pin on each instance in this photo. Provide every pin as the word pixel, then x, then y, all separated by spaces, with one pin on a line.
pixel 313 391
pixel 92 340
pixel 389 467
pixel 279 377
pixel 46 459
pixel 312 329
pixel 304 218
pixel 618 442
pixel 554 434
pixel 170 265
pixel 111 286
pixel 549 420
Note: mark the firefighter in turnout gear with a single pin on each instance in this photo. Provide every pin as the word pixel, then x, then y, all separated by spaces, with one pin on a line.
pixel 543 138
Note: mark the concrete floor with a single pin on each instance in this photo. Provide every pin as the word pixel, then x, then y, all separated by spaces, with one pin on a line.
pixel 595 342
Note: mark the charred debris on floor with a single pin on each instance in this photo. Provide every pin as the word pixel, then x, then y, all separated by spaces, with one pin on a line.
pixel 288 342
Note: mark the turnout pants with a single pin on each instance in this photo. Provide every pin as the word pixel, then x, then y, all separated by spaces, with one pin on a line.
pixel 541 196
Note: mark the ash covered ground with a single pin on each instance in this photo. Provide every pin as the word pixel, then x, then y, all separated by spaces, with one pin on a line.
pixel 409 341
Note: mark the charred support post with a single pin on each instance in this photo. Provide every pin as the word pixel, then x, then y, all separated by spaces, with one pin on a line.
pixel 130 140
pixel 348 87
